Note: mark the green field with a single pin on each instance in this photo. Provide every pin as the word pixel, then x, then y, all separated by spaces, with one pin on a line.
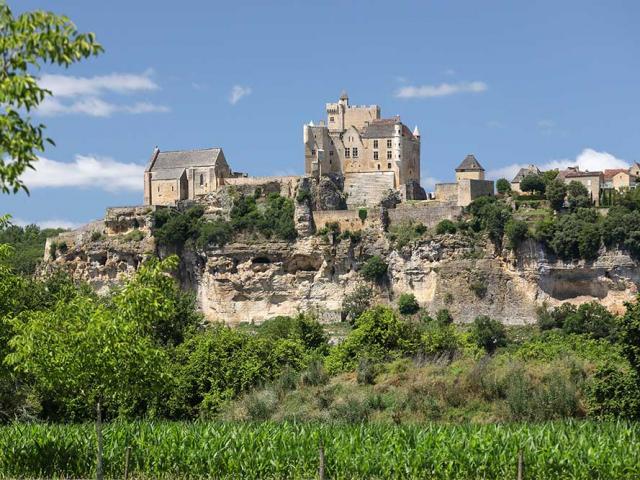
pixel 567 450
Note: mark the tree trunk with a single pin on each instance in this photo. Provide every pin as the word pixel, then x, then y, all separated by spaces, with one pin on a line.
pixel 99 472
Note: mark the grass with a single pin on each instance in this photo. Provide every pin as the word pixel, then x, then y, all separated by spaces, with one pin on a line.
pixel 576 450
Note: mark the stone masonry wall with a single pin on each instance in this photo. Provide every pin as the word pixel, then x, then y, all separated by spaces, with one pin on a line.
pixel 429 212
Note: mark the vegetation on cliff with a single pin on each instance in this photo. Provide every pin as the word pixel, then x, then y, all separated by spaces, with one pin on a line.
pixel 28 243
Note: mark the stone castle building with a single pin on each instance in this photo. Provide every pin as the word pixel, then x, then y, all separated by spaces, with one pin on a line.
pixel 373 154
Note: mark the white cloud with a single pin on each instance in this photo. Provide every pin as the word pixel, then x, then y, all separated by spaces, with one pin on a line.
pixel 69 86
pixel 442 90
pixel 86 171
pixel 51 223
pixel 237 93
pixel 95 107
pixel 84 95
pixel 588 159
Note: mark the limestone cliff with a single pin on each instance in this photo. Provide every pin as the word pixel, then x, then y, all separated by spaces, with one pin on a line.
pixel 252 280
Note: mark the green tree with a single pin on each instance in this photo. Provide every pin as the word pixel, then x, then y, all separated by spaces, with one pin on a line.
pixel 488 334
pixel 578 196
pixel 356 302
pixel 556 192
pixel 28 41
pixel 407 304
pixel 374 269
pixel 591 319
pixel 532 182
pixel 491 215
pixel 503 186
pixel 516 232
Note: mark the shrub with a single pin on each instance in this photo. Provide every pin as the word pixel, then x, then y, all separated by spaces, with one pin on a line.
pixel 503 186
pixel 488 334
pixel 407 304
pixel 175 228
pixel 516 232
pixel 303 195
pixel 592 319
pixel 303 328
pixel 378 335
pixel 440 338
pixel 556 192
pixel 405 232
pixel 445 226
pixel 362 214
pixel 261 405
pixel 443 317
pixel 96 235
pixel 315 374
pixel 374 269
pixel 613 391
pixel 214 232
pixel 478 284
pixel 491 215
pixel 577 235
pixel 366 371
pixel 134 236
pixel 356 302
pixel 352 411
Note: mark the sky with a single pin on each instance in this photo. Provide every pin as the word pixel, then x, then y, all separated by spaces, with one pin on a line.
pixel 549 82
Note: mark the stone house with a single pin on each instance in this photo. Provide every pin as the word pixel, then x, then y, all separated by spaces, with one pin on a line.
pixel 469 169
pixel 523 172
pixel 469 185
pixel 592 180
pixel 618 179
pixel 373 154
pixel 183 175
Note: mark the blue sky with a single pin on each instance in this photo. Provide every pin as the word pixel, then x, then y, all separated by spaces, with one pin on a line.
pixel 545 82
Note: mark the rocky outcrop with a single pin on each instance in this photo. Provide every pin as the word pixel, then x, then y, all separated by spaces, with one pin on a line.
pixel 251 280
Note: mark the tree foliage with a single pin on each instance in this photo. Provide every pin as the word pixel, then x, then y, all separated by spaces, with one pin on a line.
pixel 556 192
pixel 27 41
pixel 503 186
pixel 488 333
pixel 407 304
pixel 533 182
pixel 374 269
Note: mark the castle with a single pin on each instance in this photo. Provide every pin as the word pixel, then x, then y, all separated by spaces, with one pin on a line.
pixel 370 155
pixel 373 154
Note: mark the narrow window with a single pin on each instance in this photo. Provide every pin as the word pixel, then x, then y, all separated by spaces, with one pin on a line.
pixel 389 166
pixel 347 153
pixel 388 143
pixel 378 166
pixel 375 144
pixel 201 179
pixel 331 119
pixel 329 161
pixel 313 151
pixel 172 188
pixel 355 152
pixel 388 154
pixel 375 155
pixel 158 189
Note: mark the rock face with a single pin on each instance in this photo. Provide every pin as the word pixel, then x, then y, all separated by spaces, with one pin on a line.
pixel 251 280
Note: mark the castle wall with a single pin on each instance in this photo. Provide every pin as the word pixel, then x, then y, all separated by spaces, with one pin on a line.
pixel 447 192
pixel 347 219
pixel 287 184
pixel 469 190
pixel 428 212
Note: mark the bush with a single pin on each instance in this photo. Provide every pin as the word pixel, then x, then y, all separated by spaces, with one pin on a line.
pixel 356 302
pixel 261 405
pixel 516 232
pixel 214 232
pixel 96 235
pixel 443 317
pixel 407 304
pixel 532 182
pixel 592 319
pixel 488 334
pixel 362 214
pixel 405 232
pixel 440 338
pixel 556 192
pixel 302 328
pixel 378 335
pixel 577 235
pixel 478 284
pixel 613 391
pixel 366 371
pixel 491 215
pixel 134 236
pixel 303 195
pixel 315 374
pixel 374 269
pixel 445 226
pixel 503 186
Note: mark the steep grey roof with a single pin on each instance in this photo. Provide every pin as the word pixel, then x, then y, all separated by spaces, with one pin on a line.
pixel 383 128
pixel 186 158
pixel 167 174
pixel 523 172
pixel 470 163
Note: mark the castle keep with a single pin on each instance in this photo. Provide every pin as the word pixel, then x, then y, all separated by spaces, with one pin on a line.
pixel 373 154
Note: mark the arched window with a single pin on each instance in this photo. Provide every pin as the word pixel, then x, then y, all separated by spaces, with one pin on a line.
pixel 201 179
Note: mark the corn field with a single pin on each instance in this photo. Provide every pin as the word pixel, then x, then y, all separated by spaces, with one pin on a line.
pixel 573 450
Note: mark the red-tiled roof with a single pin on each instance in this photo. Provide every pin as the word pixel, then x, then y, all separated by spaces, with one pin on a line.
pixel 572 174
pixel 609 173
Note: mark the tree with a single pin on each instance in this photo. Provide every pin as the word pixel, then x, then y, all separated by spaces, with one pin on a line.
pixel 556 192
pixel 488 334
pixel 629 333
pixel 503 186
pixel 516 232
pixel 532 182
pixel 407 304
pixel 356 303
pixel 374 269
pixel 592 319
pixel 578 196
pixel 445 226
pixel 27 41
